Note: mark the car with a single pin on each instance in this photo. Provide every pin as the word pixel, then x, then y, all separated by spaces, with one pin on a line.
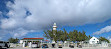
pixel 71 45
pixel 59 44
pixel 4 45
pixel 45 46
pixel 34 45
pixel 79 45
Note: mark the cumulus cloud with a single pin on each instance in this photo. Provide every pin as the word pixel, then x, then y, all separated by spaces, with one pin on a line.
pixel 0 14
pixel 64 12
pixel 0 38
pixel 41 14
pixel 20 32
pixel 103 30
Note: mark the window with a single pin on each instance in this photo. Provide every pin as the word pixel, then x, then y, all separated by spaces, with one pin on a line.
pixel 94 39
pixel 97 41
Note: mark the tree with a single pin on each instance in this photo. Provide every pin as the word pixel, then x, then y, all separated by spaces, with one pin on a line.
pixel 73 36
pixel 64 35
pixel 79 37
pixel 88 37
pixel 84 37
pixel 49 34
pixel 53 35
pixel 104 39
pixel 13 40
pixel 56 35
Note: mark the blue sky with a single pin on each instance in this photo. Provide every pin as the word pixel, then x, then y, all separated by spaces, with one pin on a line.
pixel 21 18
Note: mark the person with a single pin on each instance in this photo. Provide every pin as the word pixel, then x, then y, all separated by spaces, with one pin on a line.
pixel 53 45
pixel 6 45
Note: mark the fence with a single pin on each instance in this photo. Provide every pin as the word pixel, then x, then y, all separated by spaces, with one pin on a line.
pixel 67 45
pixel 83 45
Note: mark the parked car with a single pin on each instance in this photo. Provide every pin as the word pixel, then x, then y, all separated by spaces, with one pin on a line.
pixel 79 45
pixel 71 45
pixel 34 45
pixel 45 46
pixel 59 44
pixel 4 45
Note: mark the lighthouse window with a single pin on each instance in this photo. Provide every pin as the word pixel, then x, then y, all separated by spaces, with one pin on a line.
pixel 94 39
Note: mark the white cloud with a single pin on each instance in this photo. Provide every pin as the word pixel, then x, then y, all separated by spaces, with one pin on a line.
pixel 20 32
pixel 0 15
pixel 44 13
pixel 103 30
pixel 0 12
pixel 0 38
pixel 41 14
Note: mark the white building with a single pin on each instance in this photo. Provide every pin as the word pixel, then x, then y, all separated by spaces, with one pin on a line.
pixel 29 42
pixel 93 40
pixel 21 41
pixel 110 41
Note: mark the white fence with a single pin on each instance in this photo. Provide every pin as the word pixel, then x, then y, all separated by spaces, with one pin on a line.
pixel 67 45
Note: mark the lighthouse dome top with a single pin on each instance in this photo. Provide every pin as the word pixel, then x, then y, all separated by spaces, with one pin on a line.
pixel 54 25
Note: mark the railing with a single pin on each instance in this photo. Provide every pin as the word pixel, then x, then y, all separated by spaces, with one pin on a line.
pixel 67 45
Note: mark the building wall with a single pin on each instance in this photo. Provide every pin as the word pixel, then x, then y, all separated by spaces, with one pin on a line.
pixel 21 41
pixel 93 40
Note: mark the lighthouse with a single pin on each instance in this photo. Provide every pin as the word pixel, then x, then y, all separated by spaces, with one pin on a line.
pixel 54 27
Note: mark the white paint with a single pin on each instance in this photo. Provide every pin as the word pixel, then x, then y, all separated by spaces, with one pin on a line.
pixel 21 41
pixel 93 40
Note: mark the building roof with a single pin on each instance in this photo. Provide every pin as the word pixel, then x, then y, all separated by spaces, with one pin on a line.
pixel 94 39
pixel 46 40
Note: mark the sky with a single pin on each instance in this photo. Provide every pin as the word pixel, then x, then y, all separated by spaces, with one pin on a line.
pixel 29 18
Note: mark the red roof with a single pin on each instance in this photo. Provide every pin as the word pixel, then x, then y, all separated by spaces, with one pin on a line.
pixel 33 38
pixel 46 40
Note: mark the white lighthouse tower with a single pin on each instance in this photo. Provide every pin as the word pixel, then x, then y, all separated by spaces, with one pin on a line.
pixel 54 26
pixel 54 29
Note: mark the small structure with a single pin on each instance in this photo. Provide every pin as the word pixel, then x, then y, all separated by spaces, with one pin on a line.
pixel 93 40
pixel 29 42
